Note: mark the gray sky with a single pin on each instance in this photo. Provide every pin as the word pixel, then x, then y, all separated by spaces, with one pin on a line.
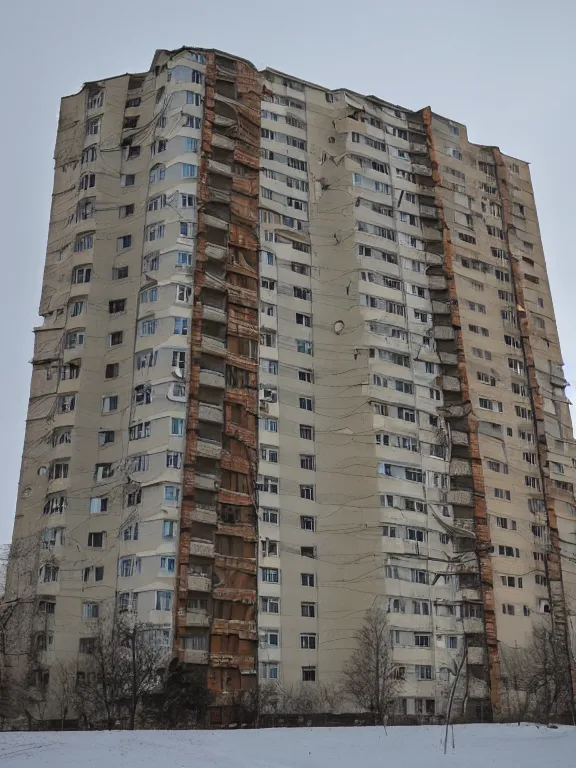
pixel 505 68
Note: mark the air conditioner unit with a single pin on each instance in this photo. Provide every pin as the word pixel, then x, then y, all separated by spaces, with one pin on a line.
pixel 263 405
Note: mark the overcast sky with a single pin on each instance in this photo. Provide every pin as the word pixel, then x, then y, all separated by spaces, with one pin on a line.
pixel 505 68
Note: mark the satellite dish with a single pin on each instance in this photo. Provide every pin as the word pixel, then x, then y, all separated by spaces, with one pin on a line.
pixel 338 327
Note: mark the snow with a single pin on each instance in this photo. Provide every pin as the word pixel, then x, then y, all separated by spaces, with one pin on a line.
pixel 476 746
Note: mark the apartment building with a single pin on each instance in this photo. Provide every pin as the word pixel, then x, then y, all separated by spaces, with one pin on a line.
pixel 399 437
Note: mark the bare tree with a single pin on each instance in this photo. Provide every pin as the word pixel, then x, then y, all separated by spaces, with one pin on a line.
pixel 181 701
pixel 536 679
pixel 549 681
pixel 64 689
pixel 125 662
pixel 517 694
pixel 370 675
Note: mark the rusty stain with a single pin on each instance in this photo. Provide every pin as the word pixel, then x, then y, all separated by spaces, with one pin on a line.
pixel 232 657
pixel 482 530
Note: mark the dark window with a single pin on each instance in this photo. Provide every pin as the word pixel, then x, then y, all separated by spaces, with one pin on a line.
pixel 111 371
pixel 118 305
pixel 116 338
pixel 120 272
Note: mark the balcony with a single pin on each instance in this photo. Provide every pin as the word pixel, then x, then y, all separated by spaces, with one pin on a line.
pixel 199 583
pixel 478 689
pixel 476 655
pixel 216 252
pixel 428 211
pixel 219 195
pixel 213 346
pixel 196 619
pixel 471 595
pixel 215 314
pixel 201 548
pixel 211 413
pixel 418 149
pixel 210 449
pixel 224 142
pixel 203 514
pixel 195 657
pixel 206 482
pixel 216 222
pixel 421 170
pixel 473 626
pixel 215 167
pixel 212 379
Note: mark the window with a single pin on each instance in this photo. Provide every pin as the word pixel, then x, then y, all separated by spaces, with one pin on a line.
pixel 181 326
pixel 104 471
pixel 155 231
pixel 309 673
pixel 157 173
pixel 532 482
pixel 66 403
pixel 268 338
pixel 423 672
pixel 58 471
pixel 115 338
pixel 172 493
pixel 184 259
pixel 306 403
pixel 302 293
pixel 305 347
pixel 97 540
pixel 106 436
pixel 304 320
pixel 504 522
pixel 143 394
pixel 269 670
pixel 504 551
pixel 188 171
pixel 497 466
pixel 109 403
pixel 127 179
pixel 270 575
pixel 269 454
pixel 308 610
pixel 307 492
pixel 140 431
pixel 177 427
pixel 271 638
pixel 269 425
pixel 511 581
pixel 422 641
pixel 308 523
pixel 98 504
pixel 270 516
pixel 81 275
pixel 306 432
pixel 119 273
pixel 168 564
pixel 163 600
pixel 270 604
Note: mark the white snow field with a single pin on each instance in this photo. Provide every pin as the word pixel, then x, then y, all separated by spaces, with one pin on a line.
pixel 476 746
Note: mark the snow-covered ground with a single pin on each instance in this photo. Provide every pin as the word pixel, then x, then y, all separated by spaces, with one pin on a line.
pixel 476 746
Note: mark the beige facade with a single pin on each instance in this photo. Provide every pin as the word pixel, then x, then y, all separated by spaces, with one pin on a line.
pixel 415 441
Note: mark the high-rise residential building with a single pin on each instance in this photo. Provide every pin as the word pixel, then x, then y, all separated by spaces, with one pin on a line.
pixel 400 436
